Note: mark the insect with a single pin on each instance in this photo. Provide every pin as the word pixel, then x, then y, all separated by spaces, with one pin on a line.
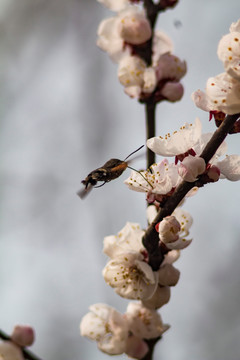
pixel 111 170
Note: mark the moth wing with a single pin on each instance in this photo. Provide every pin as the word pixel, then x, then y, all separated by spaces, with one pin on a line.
pixel 82 193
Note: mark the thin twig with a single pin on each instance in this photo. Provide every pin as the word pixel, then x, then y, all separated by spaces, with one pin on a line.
pixel 150 130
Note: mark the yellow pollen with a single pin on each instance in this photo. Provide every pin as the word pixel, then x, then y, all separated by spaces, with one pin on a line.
pixel 236 39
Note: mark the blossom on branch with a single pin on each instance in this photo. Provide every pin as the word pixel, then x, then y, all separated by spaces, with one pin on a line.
pixel 191 167
pixel 128 239
pixel 222 94
pixel 143 322
pixel 135 76
pixel 173 229
pixel 179 142
pixel 107 327
pixel 229 51
pixel 131 276
pixel 117 34
pixel 159 180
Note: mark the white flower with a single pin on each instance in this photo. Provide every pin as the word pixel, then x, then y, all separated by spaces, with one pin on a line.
pixel 222 94
pixel 230 167
pixel 107 327
pixel 162 178
pixel 135 76
pixel 143 322
pixel 130 276
pixel 191 167
pixel 10 351
pixel 115 5
pixel 129 26
pixel 229 51
pixel 128 239
pixel 109 39
pixel 179 143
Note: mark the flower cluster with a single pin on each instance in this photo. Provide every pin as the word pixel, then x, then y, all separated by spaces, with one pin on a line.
pixel 223 91
pixel 117 333
pixel 129 274
pixel 186 145
pixel 124 37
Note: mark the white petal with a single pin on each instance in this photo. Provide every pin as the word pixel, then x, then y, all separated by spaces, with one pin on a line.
pixel 201 100
pixel 133 91
pixel 184 218
pixel 161 45
pixel 151 213
pixel 10 351
pixel 143 322
pixel 149 80
pixel 129 279
pixel 230 167
pixel 180 141
pixel 128 239
pixel 109 39
pixel 114 5
pixel 179 244
pixel 224 93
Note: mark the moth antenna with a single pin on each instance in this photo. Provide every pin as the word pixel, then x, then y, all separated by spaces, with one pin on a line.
pixel 133 152
pixel 139 172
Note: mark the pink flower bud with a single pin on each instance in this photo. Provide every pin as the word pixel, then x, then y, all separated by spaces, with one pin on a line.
pixel 172 91
pixel 168 229
pixel 191 167
pixel 135 29
pixel 160 298
pixel 23 335
pixel 137 348
pixel 213 173
pixel 168 275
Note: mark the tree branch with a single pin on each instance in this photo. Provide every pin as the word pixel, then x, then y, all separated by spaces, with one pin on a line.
pixel 151 239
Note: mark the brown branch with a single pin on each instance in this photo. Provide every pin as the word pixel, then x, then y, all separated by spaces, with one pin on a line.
pixel 26 353
pixel 150 130
pixel 150 238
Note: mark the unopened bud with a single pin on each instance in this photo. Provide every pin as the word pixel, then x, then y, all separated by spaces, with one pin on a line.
pixel 172 91
pixel 191 167
pixel 23 335
pixel 168 229
pixel 135 29
pixel 213 173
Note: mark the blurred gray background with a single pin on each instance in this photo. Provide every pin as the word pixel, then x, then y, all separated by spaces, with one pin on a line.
pixel 63 113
